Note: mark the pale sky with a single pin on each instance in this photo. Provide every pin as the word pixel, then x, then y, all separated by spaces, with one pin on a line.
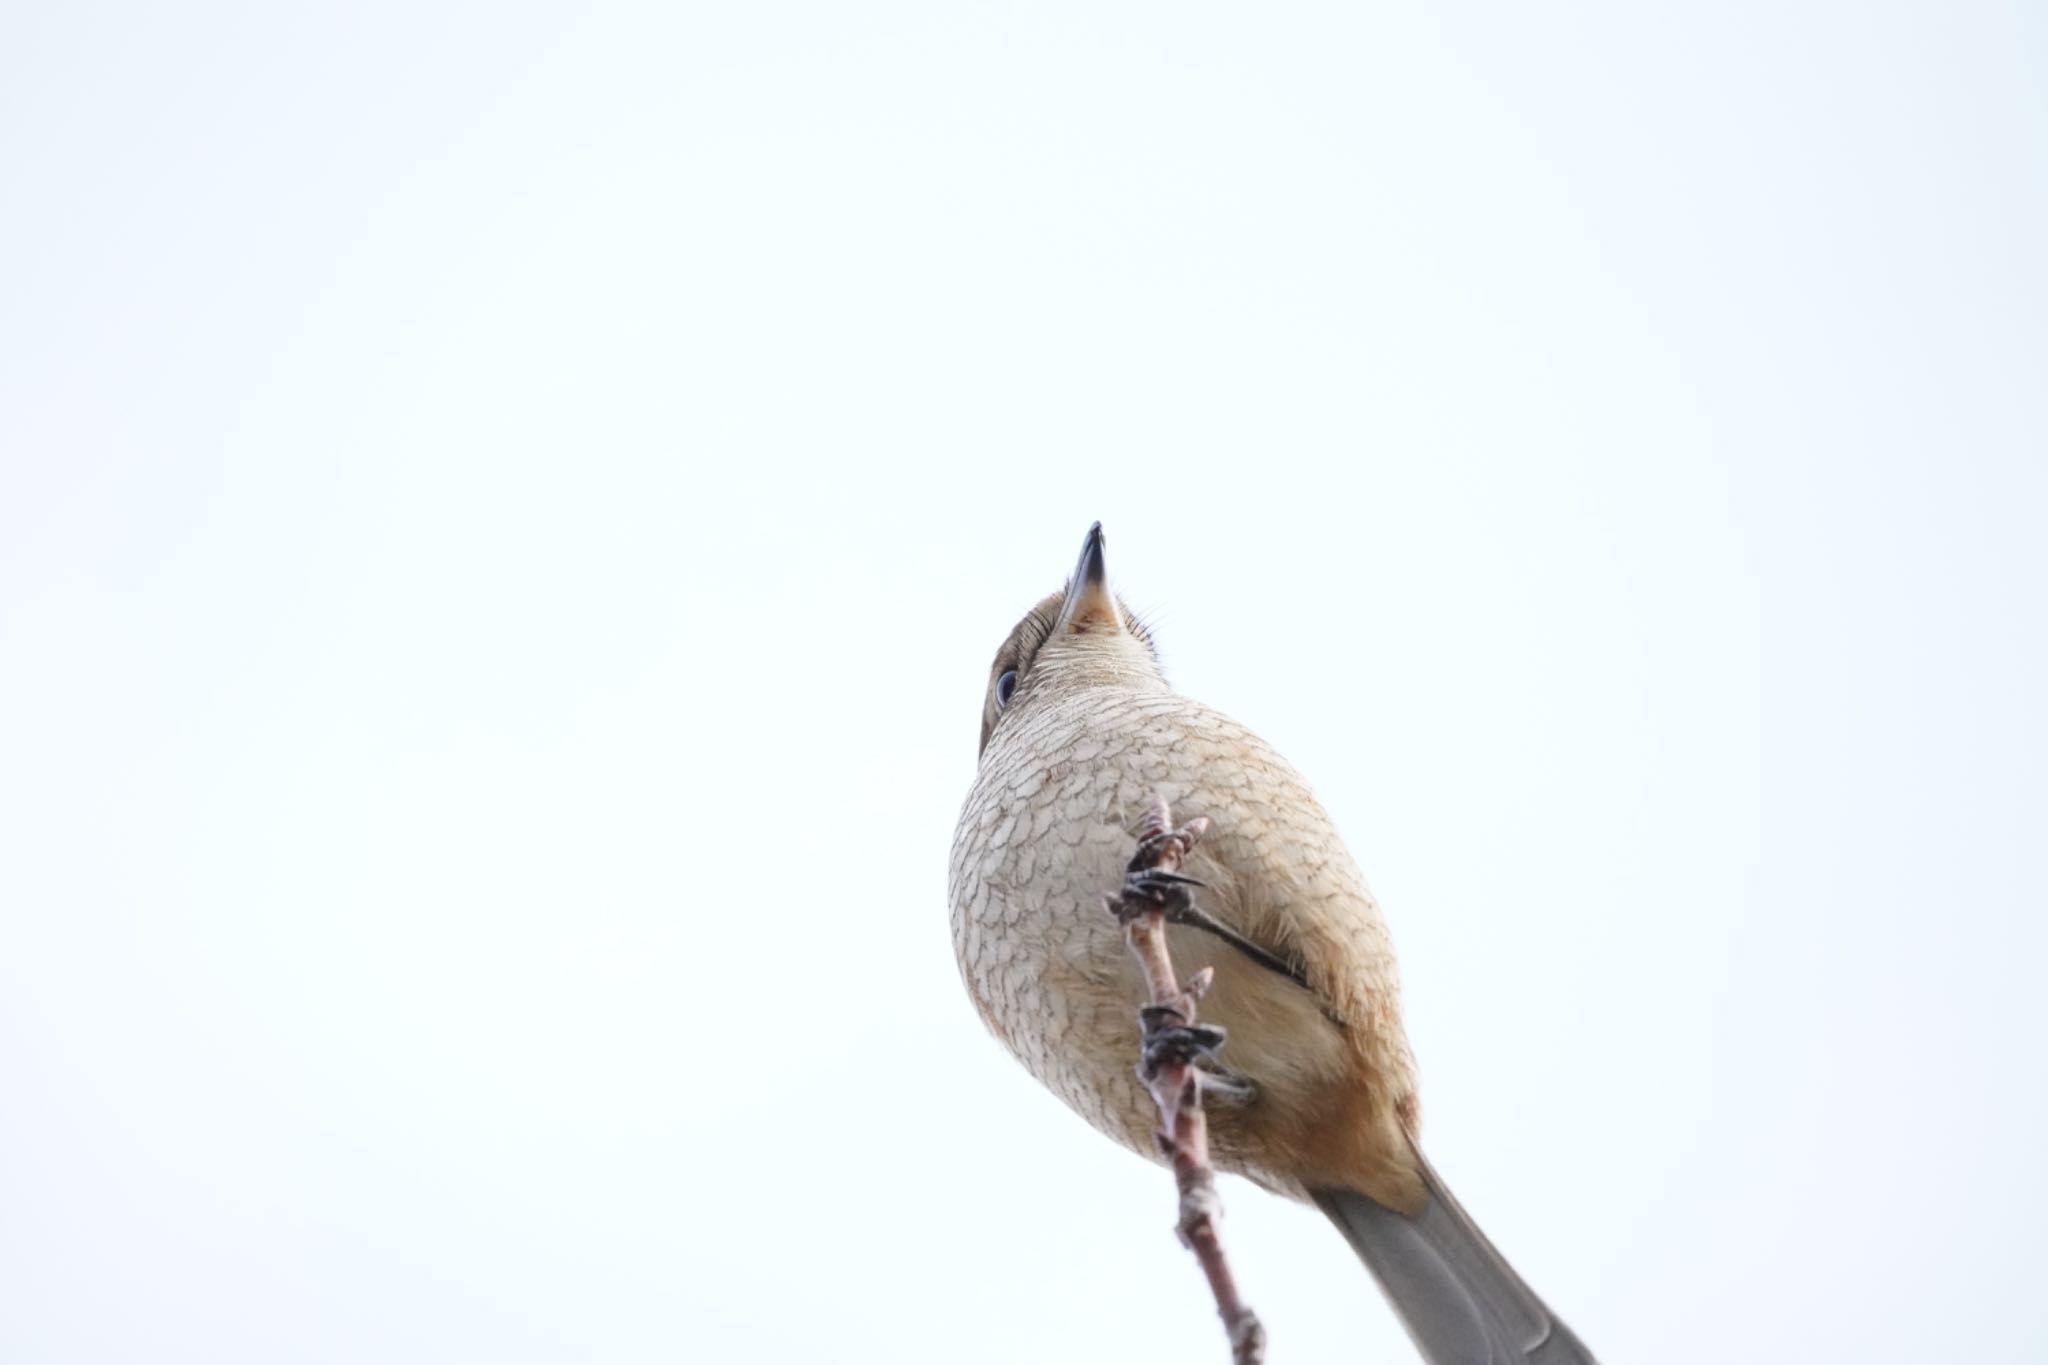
pixel 504 516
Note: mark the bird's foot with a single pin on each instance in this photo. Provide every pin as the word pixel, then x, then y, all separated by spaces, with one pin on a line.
pixel 1228 1087
pixel 1169 1042
pixel 1152 888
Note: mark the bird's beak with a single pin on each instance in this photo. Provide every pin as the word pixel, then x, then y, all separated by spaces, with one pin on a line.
pixel 1089 605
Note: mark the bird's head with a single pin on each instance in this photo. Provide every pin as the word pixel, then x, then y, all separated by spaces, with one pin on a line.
pixel 1080 637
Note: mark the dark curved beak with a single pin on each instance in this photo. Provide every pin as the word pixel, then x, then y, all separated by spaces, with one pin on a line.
pixel 1088 570
pixel 1089 603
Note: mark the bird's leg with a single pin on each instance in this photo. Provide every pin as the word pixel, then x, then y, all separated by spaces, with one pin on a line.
pixel 1197 918
pixel 1171 894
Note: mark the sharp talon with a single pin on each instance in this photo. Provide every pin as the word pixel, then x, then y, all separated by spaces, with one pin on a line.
pixel 1181 1044
pixel 1153 891
pixel 1166 891
pixel 1192 1039
pixel 1228 1086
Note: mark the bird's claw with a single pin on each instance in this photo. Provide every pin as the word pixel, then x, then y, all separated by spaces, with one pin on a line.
pixel 1227 1086
pixel 1178 1045
pixel 1157 889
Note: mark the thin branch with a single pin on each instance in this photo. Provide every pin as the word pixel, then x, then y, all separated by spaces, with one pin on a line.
pixel 1154 893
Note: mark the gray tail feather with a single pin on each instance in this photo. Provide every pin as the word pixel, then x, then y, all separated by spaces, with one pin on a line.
pixel 1461 1302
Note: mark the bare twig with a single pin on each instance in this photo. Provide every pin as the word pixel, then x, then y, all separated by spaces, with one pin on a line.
pixel 1154 893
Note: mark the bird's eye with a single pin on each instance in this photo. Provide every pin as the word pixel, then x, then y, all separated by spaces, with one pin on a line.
pixel 1005 685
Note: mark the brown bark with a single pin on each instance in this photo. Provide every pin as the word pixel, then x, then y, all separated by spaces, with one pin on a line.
pixel 1172 1043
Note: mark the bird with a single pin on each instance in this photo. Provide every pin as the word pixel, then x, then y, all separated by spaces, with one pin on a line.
pixel 1314 1095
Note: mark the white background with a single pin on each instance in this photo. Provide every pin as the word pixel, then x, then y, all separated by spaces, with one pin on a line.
pixel 506 511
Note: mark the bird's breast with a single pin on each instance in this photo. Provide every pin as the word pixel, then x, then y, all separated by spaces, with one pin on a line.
pixel 1045 834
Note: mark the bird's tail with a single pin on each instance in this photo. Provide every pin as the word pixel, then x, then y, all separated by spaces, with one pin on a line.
pixel 1460 1300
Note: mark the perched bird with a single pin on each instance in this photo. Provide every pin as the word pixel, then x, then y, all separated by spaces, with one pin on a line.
pixel 1079 731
